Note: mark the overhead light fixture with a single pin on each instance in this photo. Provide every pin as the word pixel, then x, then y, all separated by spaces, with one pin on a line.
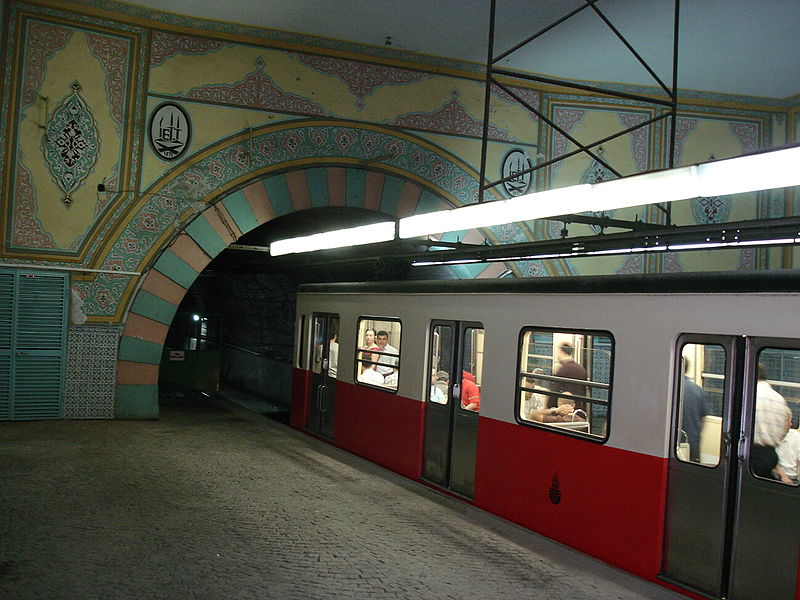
pixel 766 170
pixel 341 238
pixel 579 252
pixel 487 214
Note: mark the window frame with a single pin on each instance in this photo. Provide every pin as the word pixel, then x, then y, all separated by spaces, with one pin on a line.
pixel 357 360
pixel 518 388
pixel 677 399
pixel 770 344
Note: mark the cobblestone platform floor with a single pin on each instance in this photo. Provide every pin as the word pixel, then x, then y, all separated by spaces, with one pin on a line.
pixel 214 502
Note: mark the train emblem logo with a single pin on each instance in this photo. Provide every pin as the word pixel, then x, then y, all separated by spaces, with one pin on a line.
pixel 517 181
pixel 555 491
pixel 170 131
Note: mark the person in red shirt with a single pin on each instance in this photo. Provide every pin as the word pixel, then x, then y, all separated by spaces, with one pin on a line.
pixel 470 392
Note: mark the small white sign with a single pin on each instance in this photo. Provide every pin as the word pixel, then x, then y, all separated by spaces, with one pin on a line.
pixel 514 165
pixel 169 131
pixel 177 355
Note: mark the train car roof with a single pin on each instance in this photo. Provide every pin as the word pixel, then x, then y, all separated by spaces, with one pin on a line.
pixel 784 280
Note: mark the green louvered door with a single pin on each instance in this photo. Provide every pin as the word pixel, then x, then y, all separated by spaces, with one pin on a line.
pixel 6 330
pixel 33 322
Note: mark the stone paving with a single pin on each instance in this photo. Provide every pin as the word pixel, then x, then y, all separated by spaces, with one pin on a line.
pixel 214 502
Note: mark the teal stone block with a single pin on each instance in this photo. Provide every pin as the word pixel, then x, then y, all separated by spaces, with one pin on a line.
pixel 390 198
pixel 239 209
pixel 205 236
pixel 318 186
pixel 428 202
pixel 177 269
pixel 278 192
pixel 141 351
pixel 153 307
pixel 355 187
pixel 136 402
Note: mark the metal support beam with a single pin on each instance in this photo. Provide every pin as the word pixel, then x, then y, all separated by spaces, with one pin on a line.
pixel 493 72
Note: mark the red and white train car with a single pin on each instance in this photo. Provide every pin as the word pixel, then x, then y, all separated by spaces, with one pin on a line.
pixel 615 415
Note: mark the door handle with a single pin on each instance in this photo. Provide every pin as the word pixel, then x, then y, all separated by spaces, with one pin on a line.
pixel 740 449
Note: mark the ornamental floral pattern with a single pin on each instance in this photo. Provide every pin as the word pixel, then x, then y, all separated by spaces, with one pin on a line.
pixel 165 45
pixel 112 53
pixel 28 231
pixel 566 119
pixel 256 90
pixel 201 182
pixel 596 173
pixel 452 118
pixel 362 79
pixel 42 41
pixel 71 143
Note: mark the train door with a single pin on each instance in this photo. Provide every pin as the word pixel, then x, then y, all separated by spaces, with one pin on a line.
pixel 452 405
pixel 732 529
pixel 324 360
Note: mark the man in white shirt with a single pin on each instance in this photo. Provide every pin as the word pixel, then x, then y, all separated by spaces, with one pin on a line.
pixel 772 421
pixel 789 457
pixel 386 364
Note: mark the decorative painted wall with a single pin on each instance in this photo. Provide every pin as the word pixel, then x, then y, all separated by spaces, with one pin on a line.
pixel 139 145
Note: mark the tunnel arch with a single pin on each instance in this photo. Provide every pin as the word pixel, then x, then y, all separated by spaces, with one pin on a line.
pixel 286 169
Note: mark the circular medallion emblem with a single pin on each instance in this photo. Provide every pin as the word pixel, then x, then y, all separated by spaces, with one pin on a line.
pixel 170 131
pixel 515 162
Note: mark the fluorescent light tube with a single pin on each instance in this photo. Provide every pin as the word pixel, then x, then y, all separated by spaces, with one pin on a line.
pixel 487 214
pixel 647 188
pixel 341 238
pixel 765 171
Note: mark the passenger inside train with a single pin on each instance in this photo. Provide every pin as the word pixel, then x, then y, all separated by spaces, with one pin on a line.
pixel 378 360
pixel 470 392
pixel 563 412
pixel 436 393
pixel 565 380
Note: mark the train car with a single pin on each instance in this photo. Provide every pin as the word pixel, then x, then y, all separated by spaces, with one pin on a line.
pixel 627 417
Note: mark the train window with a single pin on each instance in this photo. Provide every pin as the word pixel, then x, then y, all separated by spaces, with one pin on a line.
pixel 564 380
pixel 441 363
pixel 472 369
pixel 318 355
pixel 377 355
pixel 300 345
pixel 775 449
pixel 700 404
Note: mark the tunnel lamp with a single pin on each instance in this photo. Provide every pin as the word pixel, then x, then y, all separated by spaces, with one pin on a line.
pixel 768 170
pixel 341 238
pixel 486 214
pixel 763 171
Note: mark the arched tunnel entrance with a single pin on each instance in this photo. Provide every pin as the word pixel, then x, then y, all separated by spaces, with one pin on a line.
pixel 293 173
pixel 234 330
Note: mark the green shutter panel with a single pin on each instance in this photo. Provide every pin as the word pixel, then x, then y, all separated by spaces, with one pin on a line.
pixel 40 341
pixel 6 341
pixel 33 327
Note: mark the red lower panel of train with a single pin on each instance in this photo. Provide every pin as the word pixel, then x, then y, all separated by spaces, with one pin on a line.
pixel 381 427
pixel 384 428
pixel 600 500
pixel 597 499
